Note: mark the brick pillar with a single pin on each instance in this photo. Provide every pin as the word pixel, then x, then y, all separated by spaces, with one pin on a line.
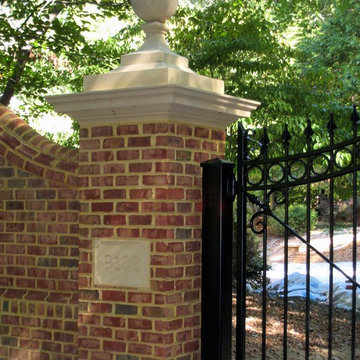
pixel 143 181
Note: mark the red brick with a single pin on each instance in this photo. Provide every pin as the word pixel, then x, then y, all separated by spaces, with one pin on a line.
pixel 139 349
pixel 209 146
pixel 183 259
pixel 137 297
pixel 168 325
pixel 173 141
pixel 89 144
pixel 14 160
pixel 171 194
pixel 200 157
pixel 191 169
pixel 98 356
pixel 87 320
pixel 192 270
pixel 105 232
pixel 127 180
pixel 182 155
pixel 139 141
pixel 141 194
pixel 100 332
pixel 128 233
pixel 29 344
pixel 102 181
pixel 15 227
pixel 192 295
pixel 192 144
pixel 128 155
pixel 192 346
pixel 149 154
pixel 158 128
pixel 158 233
pixel 163 285
pixel 114 321
pixel 169 220
pixel 114 220
pixel 34 169
pixel 89 343
pixel 169 167
pixel 162 259
pixel 101 131
pixel 102 207
pixel 158 207
pixel 102 156
pixel 90 219
pixel 113 143
pixel 89 169
pixel 184 130
pixel 114 346
pixel 127 207
pixel 157 338
pixel 114 194
pixel 142 324
pixel 10 140
pixel 100 308
pixel 114 168
pixel 169 272
pixel 140 219
pixel 113 295
pixel 201 132
pixel 218 135
pixel 168 351
pixel 169 247
pixel 140 167
pixel 127 130
pixel 158 180
pixel 184 181
pixel 127 335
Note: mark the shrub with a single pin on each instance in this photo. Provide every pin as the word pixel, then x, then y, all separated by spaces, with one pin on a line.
pixel 297 220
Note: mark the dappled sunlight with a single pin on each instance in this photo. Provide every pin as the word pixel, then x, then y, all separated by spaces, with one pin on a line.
pixel 296 329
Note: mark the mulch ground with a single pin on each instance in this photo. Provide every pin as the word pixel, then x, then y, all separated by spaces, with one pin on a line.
pixel 296 330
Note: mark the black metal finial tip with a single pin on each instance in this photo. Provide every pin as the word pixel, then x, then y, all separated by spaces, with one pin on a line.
pixel 309 132
pixel 265 138
pixel 331 124
pixel 286 135
pixel 354 115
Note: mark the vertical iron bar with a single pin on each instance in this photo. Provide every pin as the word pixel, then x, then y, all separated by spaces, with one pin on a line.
pixel 286 138
pixel 309 132
pixel 241 247
pixel 355 119
pixel 331 127
pixel 265 142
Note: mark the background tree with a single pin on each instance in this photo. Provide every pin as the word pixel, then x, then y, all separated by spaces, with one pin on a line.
pixel 298 58
pixel 44 48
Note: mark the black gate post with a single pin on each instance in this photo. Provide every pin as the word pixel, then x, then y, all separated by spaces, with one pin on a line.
pixel 217 235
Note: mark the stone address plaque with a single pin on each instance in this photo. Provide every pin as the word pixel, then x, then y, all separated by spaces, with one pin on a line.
pixel 122 263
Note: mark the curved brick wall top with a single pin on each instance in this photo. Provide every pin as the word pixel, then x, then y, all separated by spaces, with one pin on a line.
pixel 24 148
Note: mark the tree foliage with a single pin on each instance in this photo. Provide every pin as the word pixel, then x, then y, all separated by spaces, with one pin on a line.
pixel 299 58
pixel 44 49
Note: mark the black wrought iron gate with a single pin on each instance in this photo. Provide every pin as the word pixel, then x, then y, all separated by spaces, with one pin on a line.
pixel 266 187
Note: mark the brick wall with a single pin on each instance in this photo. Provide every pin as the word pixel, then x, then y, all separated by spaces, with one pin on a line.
pixel 38 245
pixel 143 181
pixel 130 182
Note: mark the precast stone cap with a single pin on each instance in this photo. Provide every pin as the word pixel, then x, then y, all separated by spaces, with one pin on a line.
pixel 154 10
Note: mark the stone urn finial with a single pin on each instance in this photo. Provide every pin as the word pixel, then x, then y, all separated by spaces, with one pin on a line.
pixel 155 13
